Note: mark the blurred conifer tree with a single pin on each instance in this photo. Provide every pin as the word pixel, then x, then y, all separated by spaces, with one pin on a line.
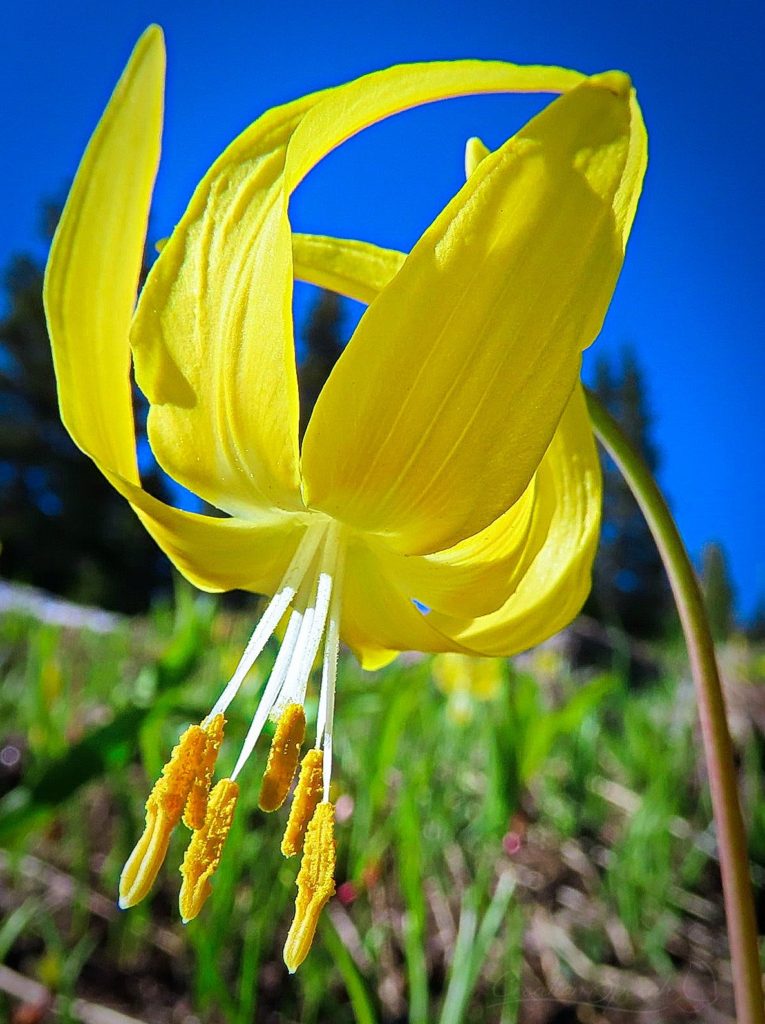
pixel 755 628
pixel 323 345
pixel 718 590
pixel 630 587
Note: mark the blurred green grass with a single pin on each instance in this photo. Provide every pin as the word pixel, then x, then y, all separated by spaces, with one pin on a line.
pixel 548 847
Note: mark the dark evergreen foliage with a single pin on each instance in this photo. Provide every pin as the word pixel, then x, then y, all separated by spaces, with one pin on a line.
pixel 323 345
pixel 630 588
pixel 718 590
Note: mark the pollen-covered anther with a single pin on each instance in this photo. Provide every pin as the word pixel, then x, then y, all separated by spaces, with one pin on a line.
pixel 204 851
pixel 315 882
pixel 307 795
pixel 196 804
pixel 282 758
pixel 163 812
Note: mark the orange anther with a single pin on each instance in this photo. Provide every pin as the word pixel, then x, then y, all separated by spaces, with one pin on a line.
pixel 282 758
pixel 204 851
pixel 196 804
pixel 315 882
pixel 163 811
pixel 307 796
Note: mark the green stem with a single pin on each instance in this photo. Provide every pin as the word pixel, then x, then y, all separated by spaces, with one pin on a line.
pixel 731 838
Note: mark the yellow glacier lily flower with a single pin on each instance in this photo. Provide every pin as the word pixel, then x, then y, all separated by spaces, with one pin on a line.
pixel 467 681
pixel 449 458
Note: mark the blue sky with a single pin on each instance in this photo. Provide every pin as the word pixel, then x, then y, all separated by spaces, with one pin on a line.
pixel 691 295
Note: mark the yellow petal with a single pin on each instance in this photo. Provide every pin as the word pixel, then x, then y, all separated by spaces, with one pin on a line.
pixel 347 109
pixel 563 536
pixel 90 287
pixel 212 339
pixel 556 584
pixel 479 334
pixel 95 261
pixel 475 576
pixel 379 617
pixel 371 658
pixel 475 151
pixel 218 554
pixel 358 270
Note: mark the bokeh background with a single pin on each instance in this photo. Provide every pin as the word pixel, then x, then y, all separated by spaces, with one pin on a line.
pixel 518 842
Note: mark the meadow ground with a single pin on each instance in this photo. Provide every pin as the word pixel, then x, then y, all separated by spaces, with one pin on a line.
pixel 541 854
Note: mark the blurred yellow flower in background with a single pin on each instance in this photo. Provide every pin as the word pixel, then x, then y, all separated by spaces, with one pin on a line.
pixel 466 681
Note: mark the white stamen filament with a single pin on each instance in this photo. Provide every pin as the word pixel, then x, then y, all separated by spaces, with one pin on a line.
pixel 311 631
pixel 326 713
pixel 273 686
pixel 316 601
pixel 278 605
pixel 289 677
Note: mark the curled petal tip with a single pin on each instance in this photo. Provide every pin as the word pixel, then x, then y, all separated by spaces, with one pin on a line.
pixel 153 35
pixel 617 82
pixel 475 151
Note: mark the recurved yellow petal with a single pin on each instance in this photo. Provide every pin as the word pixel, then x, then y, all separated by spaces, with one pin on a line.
pixel 90 288
pixel 95 261
pixel 563 535
pixel 523 263
pixel 219 554
pixel 556 584
pixel 379 617
pixel 358 270
pixel 347 109
pixel 212 339
pixel 213 333
pixel 477 575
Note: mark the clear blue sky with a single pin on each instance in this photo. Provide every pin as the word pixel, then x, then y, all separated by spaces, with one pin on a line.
pixel 691 296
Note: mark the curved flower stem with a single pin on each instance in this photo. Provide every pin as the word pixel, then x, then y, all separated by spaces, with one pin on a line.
pixel 731 838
